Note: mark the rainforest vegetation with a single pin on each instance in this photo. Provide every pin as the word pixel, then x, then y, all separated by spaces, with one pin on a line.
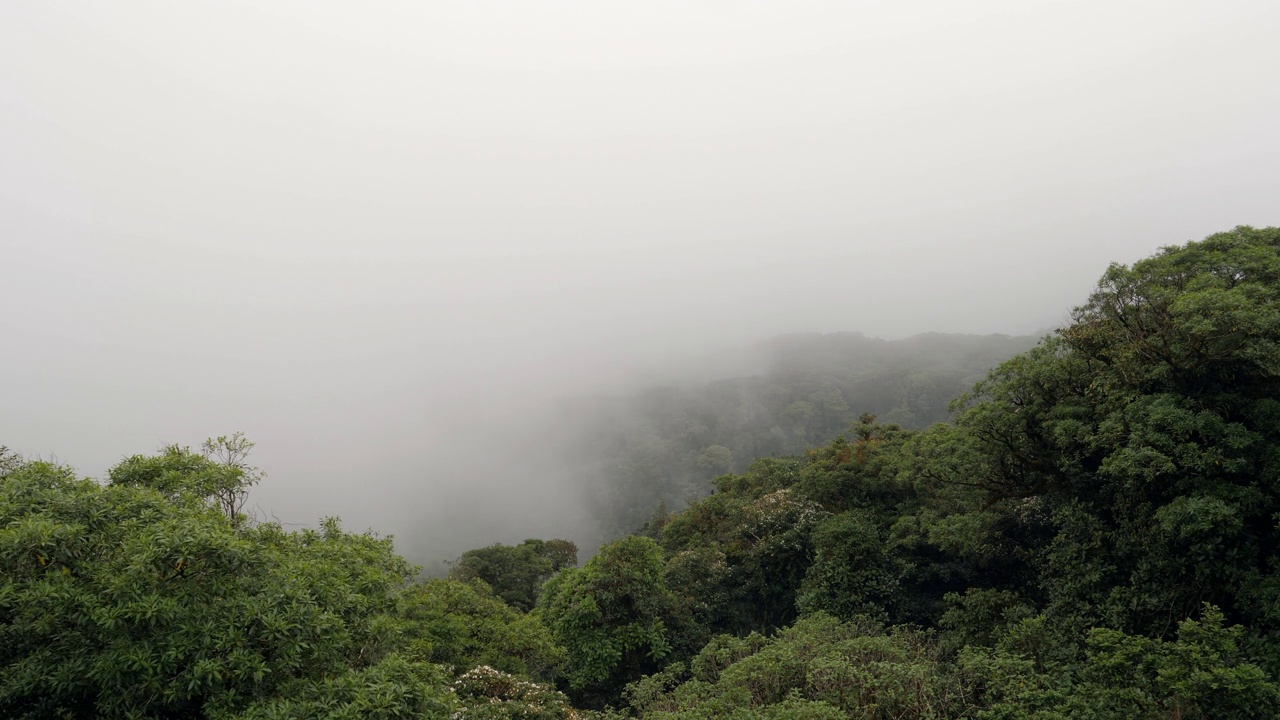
pixel 663 445
pixel 1090 531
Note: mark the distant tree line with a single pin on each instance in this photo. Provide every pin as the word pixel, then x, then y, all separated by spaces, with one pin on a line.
pixel 664 445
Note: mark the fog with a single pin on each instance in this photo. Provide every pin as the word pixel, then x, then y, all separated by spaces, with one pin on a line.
pixel 384 238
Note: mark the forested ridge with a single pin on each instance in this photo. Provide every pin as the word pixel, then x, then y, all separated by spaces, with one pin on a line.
pixel 662 445
pixel 1091 534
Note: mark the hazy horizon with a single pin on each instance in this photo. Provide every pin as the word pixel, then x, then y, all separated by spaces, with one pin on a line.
pixel 379 237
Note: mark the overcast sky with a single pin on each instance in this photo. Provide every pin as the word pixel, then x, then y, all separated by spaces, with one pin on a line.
pixel 374 234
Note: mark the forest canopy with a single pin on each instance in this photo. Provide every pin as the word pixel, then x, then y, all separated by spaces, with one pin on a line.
pixel 1092 533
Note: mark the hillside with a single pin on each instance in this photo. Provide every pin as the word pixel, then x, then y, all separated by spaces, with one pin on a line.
pixel 663 445
pixel 1093 535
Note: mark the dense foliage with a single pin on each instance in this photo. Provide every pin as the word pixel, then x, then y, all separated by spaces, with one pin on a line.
pixel 124 601
pixel 613 615
pixel 463 626
pixel 1094 535
pixel 818 668
pixel 516 573
pixel 143 598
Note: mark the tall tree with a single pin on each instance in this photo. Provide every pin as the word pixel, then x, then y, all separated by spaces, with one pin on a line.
pixel 614 615
pixel 141 600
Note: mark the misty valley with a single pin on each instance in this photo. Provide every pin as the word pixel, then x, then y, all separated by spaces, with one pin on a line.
pixel 1079 523
pixel 663 360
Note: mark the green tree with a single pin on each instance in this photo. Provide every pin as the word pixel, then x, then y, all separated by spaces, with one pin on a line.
pixel 818 668
pixel 219 475
pixel 740 555
pixel 852 572
pixel 232 454
pixel 1200 674
pixel 464 626
pixel 391 689
pixel 614 615
pixel 715 460
pixel 141 600
pixel 1143 443
pixel 516 572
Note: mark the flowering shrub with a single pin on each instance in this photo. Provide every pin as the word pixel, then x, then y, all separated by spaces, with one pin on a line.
pixel 488 694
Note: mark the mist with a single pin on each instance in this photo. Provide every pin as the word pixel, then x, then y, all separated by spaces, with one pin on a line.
pixel 389 240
